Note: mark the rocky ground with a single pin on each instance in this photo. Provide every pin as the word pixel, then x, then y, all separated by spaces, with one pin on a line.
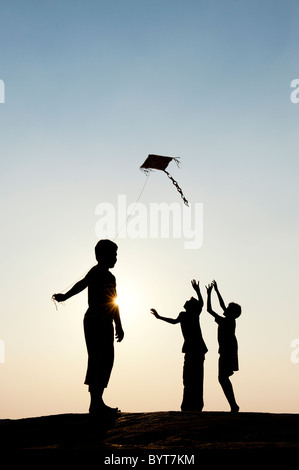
pixel 163 434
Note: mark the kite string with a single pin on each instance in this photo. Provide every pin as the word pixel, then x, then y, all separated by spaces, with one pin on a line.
pixel 129 215
pixel 54 301
pixel 177 187
pixel 64 290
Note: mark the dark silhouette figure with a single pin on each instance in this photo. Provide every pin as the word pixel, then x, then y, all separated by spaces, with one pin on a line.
pixel 99 321
pixel 228 345
pixel 194 348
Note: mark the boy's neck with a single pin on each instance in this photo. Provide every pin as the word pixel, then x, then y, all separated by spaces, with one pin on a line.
pixel 102 265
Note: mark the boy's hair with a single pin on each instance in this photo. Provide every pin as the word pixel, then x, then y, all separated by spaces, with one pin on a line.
pixel 104 247
pixel 235 309
pixel 194 303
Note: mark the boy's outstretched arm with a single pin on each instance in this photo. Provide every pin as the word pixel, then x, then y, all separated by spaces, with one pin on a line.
pixel 195 286
pixel 173 321
pixel 209 303
pixel 76 289
pixel 221 301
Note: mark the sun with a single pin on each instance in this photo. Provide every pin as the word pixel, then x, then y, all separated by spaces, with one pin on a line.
pixel 122 299
pixel 126 298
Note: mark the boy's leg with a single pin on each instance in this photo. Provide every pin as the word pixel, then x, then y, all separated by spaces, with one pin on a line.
pixel 96 399
pixel 193 382
pixel 229 392
pixel 226 385
pixel 97 404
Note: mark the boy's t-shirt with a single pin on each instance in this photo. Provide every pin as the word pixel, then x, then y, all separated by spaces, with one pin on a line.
pixel 101 292
pixel 226 334
pixel 193 340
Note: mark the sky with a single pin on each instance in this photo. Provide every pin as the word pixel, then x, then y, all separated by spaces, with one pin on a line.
pixel 88 90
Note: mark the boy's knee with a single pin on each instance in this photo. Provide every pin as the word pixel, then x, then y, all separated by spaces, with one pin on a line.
pixel 222 378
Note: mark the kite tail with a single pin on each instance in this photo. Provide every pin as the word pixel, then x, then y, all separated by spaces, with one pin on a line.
pixel 177 187
pixel 177 161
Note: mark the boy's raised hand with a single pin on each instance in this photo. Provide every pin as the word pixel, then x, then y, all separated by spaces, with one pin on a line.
pixel 214 284
pixel 195 285
pixel 209 288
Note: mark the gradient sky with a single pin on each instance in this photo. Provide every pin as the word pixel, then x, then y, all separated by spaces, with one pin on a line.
pixel 91 88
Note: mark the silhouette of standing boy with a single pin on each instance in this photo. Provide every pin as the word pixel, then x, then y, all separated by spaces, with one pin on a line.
pixel 194 348
pixel 228 345
pixel 99 321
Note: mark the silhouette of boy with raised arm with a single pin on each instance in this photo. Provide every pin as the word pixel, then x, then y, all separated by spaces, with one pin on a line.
pixel 194 348
pixel 228 345
pixel 99 321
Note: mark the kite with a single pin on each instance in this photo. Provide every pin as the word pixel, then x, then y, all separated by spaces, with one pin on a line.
pixel 159 162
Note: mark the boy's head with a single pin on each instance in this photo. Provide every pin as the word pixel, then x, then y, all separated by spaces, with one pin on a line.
pixel 106 252
pixel 192 305
pixel 233 310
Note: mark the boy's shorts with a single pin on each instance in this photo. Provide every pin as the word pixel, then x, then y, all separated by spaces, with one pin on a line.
pixel 228 364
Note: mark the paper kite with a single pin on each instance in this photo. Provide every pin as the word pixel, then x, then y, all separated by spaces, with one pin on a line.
pixel 159 162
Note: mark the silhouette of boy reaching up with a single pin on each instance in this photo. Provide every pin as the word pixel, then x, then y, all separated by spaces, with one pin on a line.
pixel 228 345
pixel 194 348
pixel 99 321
